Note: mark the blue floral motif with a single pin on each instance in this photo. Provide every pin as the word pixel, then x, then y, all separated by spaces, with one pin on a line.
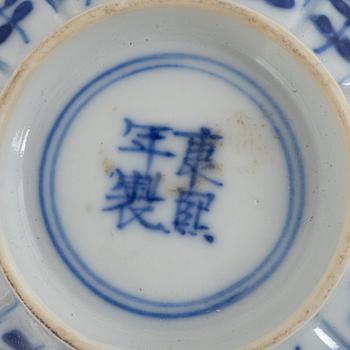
pixel 334 38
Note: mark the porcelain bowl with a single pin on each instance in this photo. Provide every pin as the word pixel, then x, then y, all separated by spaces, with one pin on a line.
pixel 175 175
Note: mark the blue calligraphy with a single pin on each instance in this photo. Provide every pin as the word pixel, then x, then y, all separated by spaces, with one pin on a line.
pixel 189 208
pixel 135 195
pixel 198 160
pixel 199 155
pixel 145 140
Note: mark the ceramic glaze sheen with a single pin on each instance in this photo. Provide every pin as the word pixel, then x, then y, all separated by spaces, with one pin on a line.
pixel 165 181
pixel 245 135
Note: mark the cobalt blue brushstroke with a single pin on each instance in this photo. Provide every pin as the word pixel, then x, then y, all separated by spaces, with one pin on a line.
pixel 53 4
pixel 325 27
pixel 203 136
pixel 4 29
pixel 134 195
pixel 191 202
pixel 334 38
pixel 332 332
pixel 155 134
pixel 246 284
pixel 21 11
pixel 342 7
pixel 9 3
pixel 131 197
pixel 88 2
pixel 283 4
pixel 16 340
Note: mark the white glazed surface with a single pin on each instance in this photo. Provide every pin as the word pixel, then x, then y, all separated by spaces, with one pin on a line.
pixel 322 331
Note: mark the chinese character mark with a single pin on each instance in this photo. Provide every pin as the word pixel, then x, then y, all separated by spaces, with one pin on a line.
pixel 134 195
pixel 197 161
pixel 145 141
pixel 199 155
pixel 189 207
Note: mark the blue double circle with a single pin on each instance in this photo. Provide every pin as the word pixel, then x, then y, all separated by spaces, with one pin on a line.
pixel 271 113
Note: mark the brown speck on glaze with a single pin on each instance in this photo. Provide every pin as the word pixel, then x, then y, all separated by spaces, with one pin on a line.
pixel 219 168
pixel 108 166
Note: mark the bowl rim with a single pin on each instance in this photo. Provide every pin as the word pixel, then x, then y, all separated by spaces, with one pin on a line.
pixel 305 57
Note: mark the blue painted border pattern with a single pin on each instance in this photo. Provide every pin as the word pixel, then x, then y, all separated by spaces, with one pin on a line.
pixel 13 12
pixel 269 110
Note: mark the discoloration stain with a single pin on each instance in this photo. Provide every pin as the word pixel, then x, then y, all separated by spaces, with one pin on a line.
pixel 173 190
pixel 108 166
pixel 219 168
pixel 245 140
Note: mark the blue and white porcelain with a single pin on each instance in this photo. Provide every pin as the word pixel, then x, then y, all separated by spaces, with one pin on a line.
pixel 174 176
